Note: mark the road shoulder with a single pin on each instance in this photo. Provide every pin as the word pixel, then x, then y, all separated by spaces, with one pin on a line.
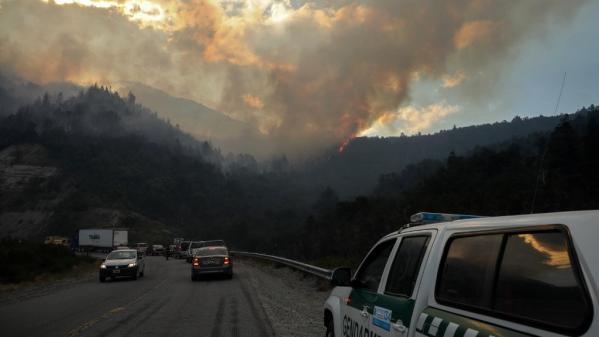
pixel 292 300
pixel 11 293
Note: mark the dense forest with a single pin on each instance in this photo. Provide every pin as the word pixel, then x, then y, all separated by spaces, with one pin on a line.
pixel 355 170
pixel 102 153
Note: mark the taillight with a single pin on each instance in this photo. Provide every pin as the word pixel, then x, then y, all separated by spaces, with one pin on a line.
pixel 196 262
pixel 226 260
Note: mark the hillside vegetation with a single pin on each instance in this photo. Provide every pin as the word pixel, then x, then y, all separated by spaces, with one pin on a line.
pixel 97 159
pixel 25 261
pixel 107 152
pixel 355 170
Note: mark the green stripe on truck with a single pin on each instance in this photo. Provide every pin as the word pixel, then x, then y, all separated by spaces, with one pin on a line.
pixel 401 307
pixel 439 323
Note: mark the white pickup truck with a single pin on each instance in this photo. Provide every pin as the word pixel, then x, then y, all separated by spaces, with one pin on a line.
pixel 518 276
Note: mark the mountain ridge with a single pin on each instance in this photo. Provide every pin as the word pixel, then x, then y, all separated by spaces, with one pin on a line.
pixel 370 157
pixel 229 134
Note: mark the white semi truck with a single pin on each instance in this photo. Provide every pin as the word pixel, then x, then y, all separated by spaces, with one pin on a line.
pixel 102 238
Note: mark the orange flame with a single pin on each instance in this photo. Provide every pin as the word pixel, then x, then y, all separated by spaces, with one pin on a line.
pixel 345 143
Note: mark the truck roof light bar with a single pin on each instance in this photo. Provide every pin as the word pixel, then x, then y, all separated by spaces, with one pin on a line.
pixel 431 217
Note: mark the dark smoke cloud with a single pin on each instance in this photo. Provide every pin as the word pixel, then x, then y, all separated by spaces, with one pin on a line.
pixel 307 75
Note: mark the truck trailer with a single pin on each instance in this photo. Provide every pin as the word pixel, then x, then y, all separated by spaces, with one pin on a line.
pixel 99 238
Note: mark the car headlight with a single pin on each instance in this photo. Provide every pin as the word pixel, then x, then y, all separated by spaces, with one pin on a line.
pixel 131 265
pixel 102 266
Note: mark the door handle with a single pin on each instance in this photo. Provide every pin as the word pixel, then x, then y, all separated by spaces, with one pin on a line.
pixel 399 327
pixel 364 312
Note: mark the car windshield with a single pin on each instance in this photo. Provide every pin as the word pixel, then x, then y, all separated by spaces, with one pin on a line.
pixel 121 255
pixel 208 251
pixel 213 243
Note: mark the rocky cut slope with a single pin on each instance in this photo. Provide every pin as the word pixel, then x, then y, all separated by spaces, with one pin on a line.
pixel 26 199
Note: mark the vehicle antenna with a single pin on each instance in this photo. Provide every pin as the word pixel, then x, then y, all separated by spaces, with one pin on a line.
pixel 540 172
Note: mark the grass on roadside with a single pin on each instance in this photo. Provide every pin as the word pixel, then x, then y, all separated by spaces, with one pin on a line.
pixel 26 261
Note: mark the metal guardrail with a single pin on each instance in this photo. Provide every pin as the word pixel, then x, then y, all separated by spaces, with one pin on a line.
pixel 307 268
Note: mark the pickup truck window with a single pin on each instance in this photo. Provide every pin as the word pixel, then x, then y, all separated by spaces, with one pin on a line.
pixel 469 270
pixel 537 281
pixel 370 274
pixel 525 276
pixel 406 265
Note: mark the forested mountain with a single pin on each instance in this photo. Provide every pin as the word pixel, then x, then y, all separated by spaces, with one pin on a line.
pixel 16 92
pixel 355 170
pixel 350 173
pixel 62 161
pixel 100 160
pixel 196 119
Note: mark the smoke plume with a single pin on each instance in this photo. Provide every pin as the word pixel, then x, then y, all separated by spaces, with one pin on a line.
pixel 307 75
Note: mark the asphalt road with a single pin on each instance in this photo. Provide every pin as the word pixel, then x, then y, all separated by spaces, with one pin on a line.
pixel 165 302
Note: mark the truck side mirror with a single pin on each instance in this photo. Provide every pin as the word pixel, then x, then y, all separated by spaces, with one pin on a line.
pixel 341 277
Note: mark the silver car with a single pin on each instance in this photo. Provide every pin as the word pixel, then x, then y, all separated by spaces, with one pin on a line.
pixel 123 263
pixel 211 260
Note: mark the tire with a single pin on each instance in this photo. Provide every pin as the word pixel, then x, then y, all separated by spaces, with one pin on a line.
pixel 230 276
pixel 194 278
pixel 142 272
pixel 102 279
pixel 136 275
pixel 330 329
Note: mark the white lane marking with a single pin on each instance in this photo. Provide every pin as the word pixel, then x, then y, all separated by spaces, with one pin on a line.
pixel 471 333
pixel 117 310
pixel 451 329
pixel 421 320
pixel 435 326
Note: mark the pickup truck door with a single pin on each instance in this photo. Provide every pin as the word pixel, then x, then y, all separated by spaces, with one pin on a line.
pixel 394 305
pixel 357 309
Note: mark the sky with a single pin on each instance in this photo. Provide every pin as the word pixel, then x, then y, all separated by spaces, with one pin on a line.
pixel 527 86
pixel 313 74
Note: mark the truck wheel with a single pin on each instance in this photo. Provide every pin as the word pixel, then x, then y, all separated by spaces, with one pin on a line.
pixel 330 329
